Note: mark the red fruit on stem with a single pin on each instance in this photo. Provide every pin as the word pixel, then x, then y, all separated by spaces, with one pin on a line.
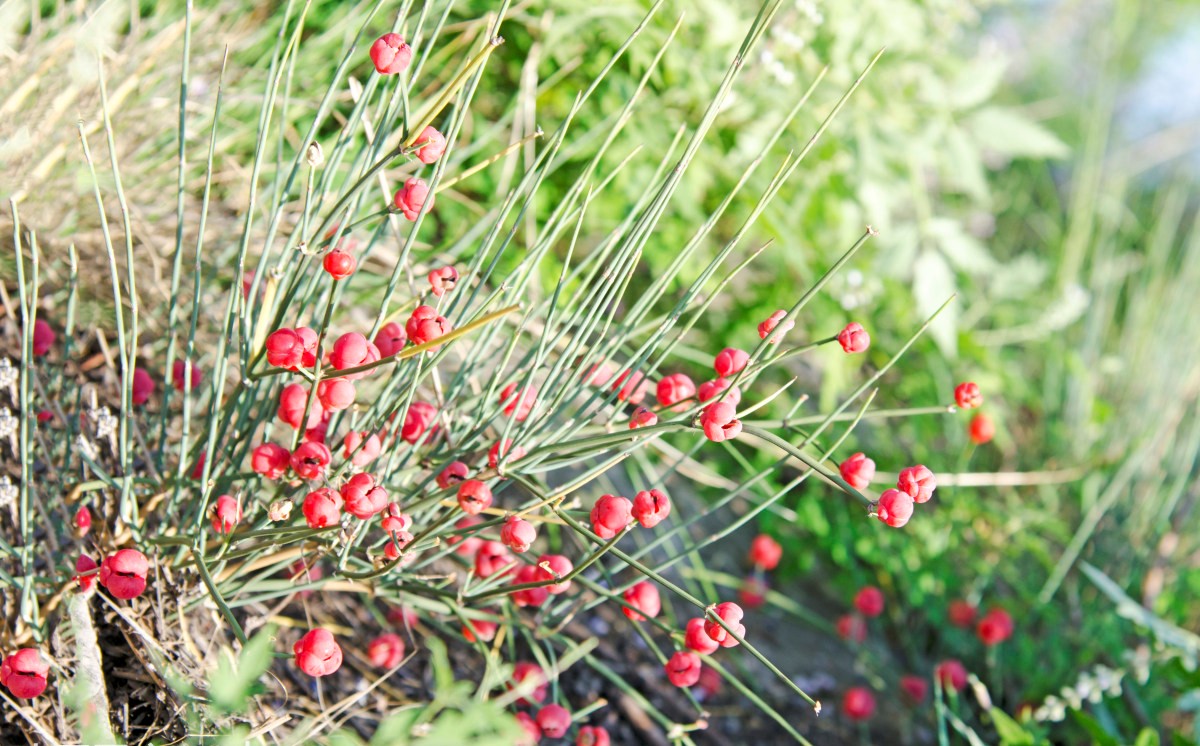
pixel 425 325
pixel 775 320
pixel 894 508
pixel 915 688
pixel 386 651
pixel 995 627
pixel 683 669
pixel 730 361
pixel 453 475
pixel 390 54
pixel 310 460
pixel 443 280
pixel 317 653
pixel 227 514
pixel 869 601
pixel 651 507
pixel 143 386
pixel 24 673
pixel 124 573
pixel 518 534
pixel 530 675
pixel 592 735
pixel 518 403
pixel 673 389
pixel 644 598
pixel 85 566
pixel 43 337
pixel 695 638
pixel 952 674
pixel 83 521
pixel 554 720
pixel 961 614
pixel 981 429
pixel 731 614
pixel 411 197
pixel 720 387
pixel 555 567
pixel 719 422
pixel 390 339
pixel 322 508
pixel 432 146
pixel 854 338
pixel 967 395
pixel 610 515
pixel 185 375
pixel 918 482
pixel 490 558
pixel 271 460
pixel 474 496
pixel 765 552
pixel 339 264
pixel 858 471
pixel 858 703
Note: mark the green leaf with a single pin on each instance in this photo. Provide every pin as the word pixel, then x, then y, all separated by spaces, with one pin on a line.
pixel 1007 132
pixel 1100 737
pixel 1010 731
pixel 977 81
pixel 1148 737
pixel 231 685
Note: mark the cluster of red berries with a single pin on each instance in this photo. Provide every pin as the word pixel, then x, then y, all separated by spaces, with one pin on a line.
pixel 551 720
pixel 915 485
pixel 992 628
pixel 981 429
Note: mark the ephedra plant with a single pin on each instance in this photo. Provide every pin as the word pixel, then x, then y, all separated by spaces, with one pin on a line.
pixel 372 445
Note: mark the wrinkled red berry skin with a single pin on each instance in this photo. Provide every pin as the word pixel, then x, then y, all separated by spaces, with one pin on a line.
pixel 894 508
pixel 967 395
pixel 310 460
pixel 651 507
pixel 317 653
pixel 730 361
pixel 124 573
pixel 474 496
pixel 642 417
pixel 858 471
pixel 490 558
pixel 453 475
pixel 227 514
pixel 390 339
pixel 43 337
pixel 610 515
pixel 425 325
pixel 554 720
pixel 532 733
pixel 271 460
pixel 24 673
pixel 560 567
pixel 363 497
pixel 518 534
pixel 952 674
pixel 869 601
pixel 719 387
pixel 918 482
pixel 854 338
pixel 410 198
pixel 322 508
pixel 683 669
pixel 731 614
pixel 443 279
pixel 673 389
pixel 772 321
pixel 858 703
pixel 529 596
pixel 765 552
pixel 645 601
pixel 719 422
pixel 390 54
pixel 695 638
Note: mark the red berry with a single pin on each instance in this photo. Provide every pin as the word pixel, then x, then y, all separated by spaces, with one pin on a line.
pixel 418 420
pixel 967 395
pixel 753 592
pixel 516 403
pixel 410 198
pixel 310 460
pixel 858 471
pixel 292 401
pixel 554 720
pixel 529 596
pixel 961 613
pixel 555 567
pixel 858 703
pixel 644 598
pixel 271 460
pixel 490 558
pixel 532 733
pixel 894 508
pixel 340 264
pixel 695 638
pixel 730 361
pixel 432 146
pixel 915 688
pixel 517 534
pixel 425 325
pixel 854 338
pixel 363 497
pixel 731 614
pixel 474 496
pixel 918 482
pixel 719 422
pixel 443 279
pixel 386 651
pixel 995 627
pixel 143 386
pixel 674 389
pixel 322 508
pixel 720 387
pixel 610 515
pixel 124 573
pixel 83 521
pixel 185 375
pixel 642 417
pixel 24 673
pixel 952 674
pixel 317 653
pixel 285 349
pixel 852 628
pixel 683 669
pixel 531 675
pixel 352 350
pixel 869 601
pixel 479 629
pixel 632 386
pixel 226 514
pixel 336 394
pixel 504 451
pixel 981 430
pixel 390 54
pixel 765 552
pixel 454 473
pixel 43 337
pixel 390 339
pixel 650 507
pixel 773 321
pixel 86 567
pixel 361 448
